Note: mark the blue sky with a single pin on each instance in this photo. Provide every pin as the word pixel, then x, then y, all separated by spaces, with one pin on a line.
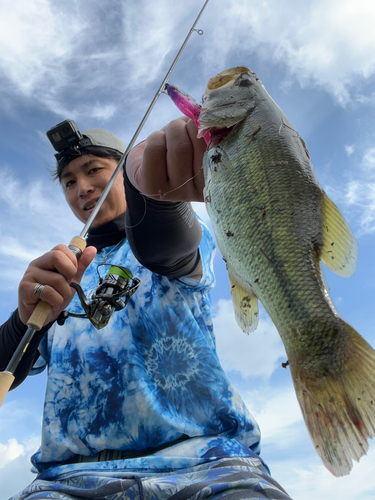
pixel 100 64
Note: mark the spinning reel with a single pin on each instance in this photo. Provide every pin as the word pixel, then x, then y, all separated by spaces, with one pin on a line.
pixel 106 299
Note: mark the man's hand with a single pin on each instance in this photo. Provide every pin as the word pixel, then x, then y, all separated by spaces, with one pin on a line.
pixel 55 269
pixel 168 165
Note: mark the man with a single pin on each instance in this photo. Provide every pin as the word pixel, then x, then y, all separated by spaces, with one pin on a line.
pixel 141 406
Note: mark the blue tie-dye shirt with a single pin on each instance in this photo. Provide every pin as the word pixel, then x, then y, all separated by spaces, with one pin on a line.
pixel 148 378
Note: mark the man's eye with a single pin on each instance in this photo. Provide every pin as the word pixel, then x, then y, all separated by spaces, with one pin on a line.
pixel 94 170
pixel 68 184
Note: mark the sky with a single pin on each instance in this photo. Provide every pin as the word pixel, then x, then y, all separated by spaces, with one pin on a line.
pixel 100 64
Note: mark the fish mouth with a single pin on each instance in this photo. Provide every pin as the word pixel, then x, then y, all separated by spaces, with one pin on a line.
pixel 215 133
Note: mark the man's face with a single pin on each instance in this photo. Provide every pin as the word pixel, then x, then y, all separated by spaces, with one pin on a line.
pixel 83 181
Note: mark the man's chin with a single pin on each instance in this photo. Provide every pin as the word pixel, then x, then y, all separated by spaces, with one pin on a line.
pixel 100 220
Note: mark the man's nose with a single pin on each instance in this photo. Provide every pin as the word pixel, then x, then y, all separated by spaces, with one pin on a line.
pixel 84 186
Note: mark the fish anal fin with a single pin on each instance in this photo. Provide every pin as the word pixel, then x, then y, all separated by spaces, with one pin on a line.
pixel 339 406
pixel 340 248
pixel 245 306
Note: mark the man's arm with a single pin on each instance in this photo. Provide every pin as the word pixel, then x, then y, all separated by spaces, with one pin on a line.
pixel 162 175
pixel 164 236
pixel 55 269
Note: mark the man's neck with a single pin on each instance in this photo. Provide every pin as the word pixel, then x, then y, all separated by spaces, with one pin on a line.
pixel 108 234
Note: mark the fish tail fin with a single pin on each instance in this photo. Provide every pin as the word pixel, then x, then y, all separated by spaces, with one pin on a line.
pixel 339 407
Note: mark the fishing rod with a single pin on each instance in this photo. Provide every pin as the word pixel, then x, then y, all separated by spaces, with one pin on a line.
pixel 78 243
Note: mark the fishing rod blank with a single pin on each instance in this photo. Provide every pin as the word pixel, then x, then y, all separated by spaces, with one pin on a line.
pixel 78 243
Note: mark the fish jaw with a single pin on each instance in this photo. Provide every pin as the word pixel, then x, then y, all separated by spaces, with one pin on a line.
pixel 228 101
pixel 214 119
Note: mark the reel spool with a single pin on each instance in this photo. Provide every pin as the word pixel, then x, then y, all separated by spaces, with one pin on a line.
pixel 107 298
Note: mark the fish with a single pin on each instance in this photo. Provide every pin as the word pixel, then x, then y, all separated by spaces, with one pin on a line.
pixel 274 226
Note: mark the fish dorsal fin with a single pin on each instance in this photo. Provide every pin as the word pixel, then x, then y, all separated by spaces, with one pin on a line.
pixel 340 248
pixel 245 306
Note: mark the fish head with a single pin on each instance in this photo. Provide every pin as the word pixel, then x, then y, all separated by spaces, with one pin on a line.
pixel 227 101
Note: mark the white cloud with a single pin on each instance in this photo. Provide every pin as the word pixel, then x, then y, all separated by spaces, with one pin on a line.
pixel 15 472
pixel 118 50
pixel 360 193
pixel 277 413
pixel 314 480
pixel 103 112
pixel 114 52
pixel 33 40
pixel 10 451
pixel 325 43
pixel 300 470
pixel 369 159
pixel 43 221
pixel 145 54
pixel 108 51
pixel 349 150
pixel 357 197
pixel 256 354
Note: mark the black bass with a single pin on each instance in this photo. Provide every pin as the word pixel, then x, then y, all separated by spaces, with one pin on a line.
pixel 274 224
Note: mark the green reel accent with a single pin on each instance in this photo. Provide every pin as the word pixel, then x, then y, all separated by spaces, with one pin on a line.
pixel 121 271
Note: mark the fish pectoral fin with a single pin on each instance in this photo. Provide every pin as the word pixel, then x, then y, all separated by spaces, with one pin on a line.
pixel 339 405
pixel 340 248
pixel 245 306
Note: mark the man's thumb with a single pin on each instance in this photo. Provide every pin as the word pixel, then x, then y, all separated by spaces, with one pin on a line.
pixel 84 261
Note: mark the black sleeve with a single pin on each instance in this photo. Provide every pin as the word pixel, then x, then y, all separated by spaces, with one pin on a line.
pixel 163 235
pixel 11 333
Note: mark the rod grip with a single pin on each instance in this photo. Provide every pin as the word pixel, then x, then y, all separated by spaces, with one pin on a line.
pixel 6 380
pixel 39 315
pixel 77 246
pixel 42 309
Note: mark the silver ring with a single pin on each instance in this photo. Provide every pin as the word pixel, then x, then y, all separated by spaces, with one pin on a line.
pixel 38 290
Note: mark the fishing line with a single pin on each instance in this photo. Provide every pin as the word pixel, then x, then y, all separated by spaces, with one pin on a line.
pixel 143 216
pixel 161 195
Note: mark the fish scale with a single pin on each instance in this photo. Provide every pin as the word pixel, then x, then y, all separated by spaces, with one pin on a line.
pixel 274 224
pixel 257 257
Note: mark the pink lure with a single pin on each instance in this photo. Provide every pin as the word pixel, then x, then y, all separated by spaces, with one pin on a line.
pixel 187 105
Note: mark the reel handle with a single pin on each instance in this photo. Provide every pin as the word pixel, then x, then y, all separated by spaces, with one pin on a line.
pixel 42 309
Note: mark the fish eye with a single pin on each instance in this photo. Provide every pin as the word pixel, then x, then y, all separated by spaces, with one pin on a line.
pixel 244 82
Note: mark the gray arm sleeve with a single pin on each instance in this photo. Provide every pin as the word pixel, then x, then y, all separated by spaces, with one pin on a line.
pixel 163 235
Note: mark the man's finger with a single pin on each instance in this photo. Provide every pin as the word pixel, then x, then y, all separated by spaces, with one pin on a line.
pixel 84 261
